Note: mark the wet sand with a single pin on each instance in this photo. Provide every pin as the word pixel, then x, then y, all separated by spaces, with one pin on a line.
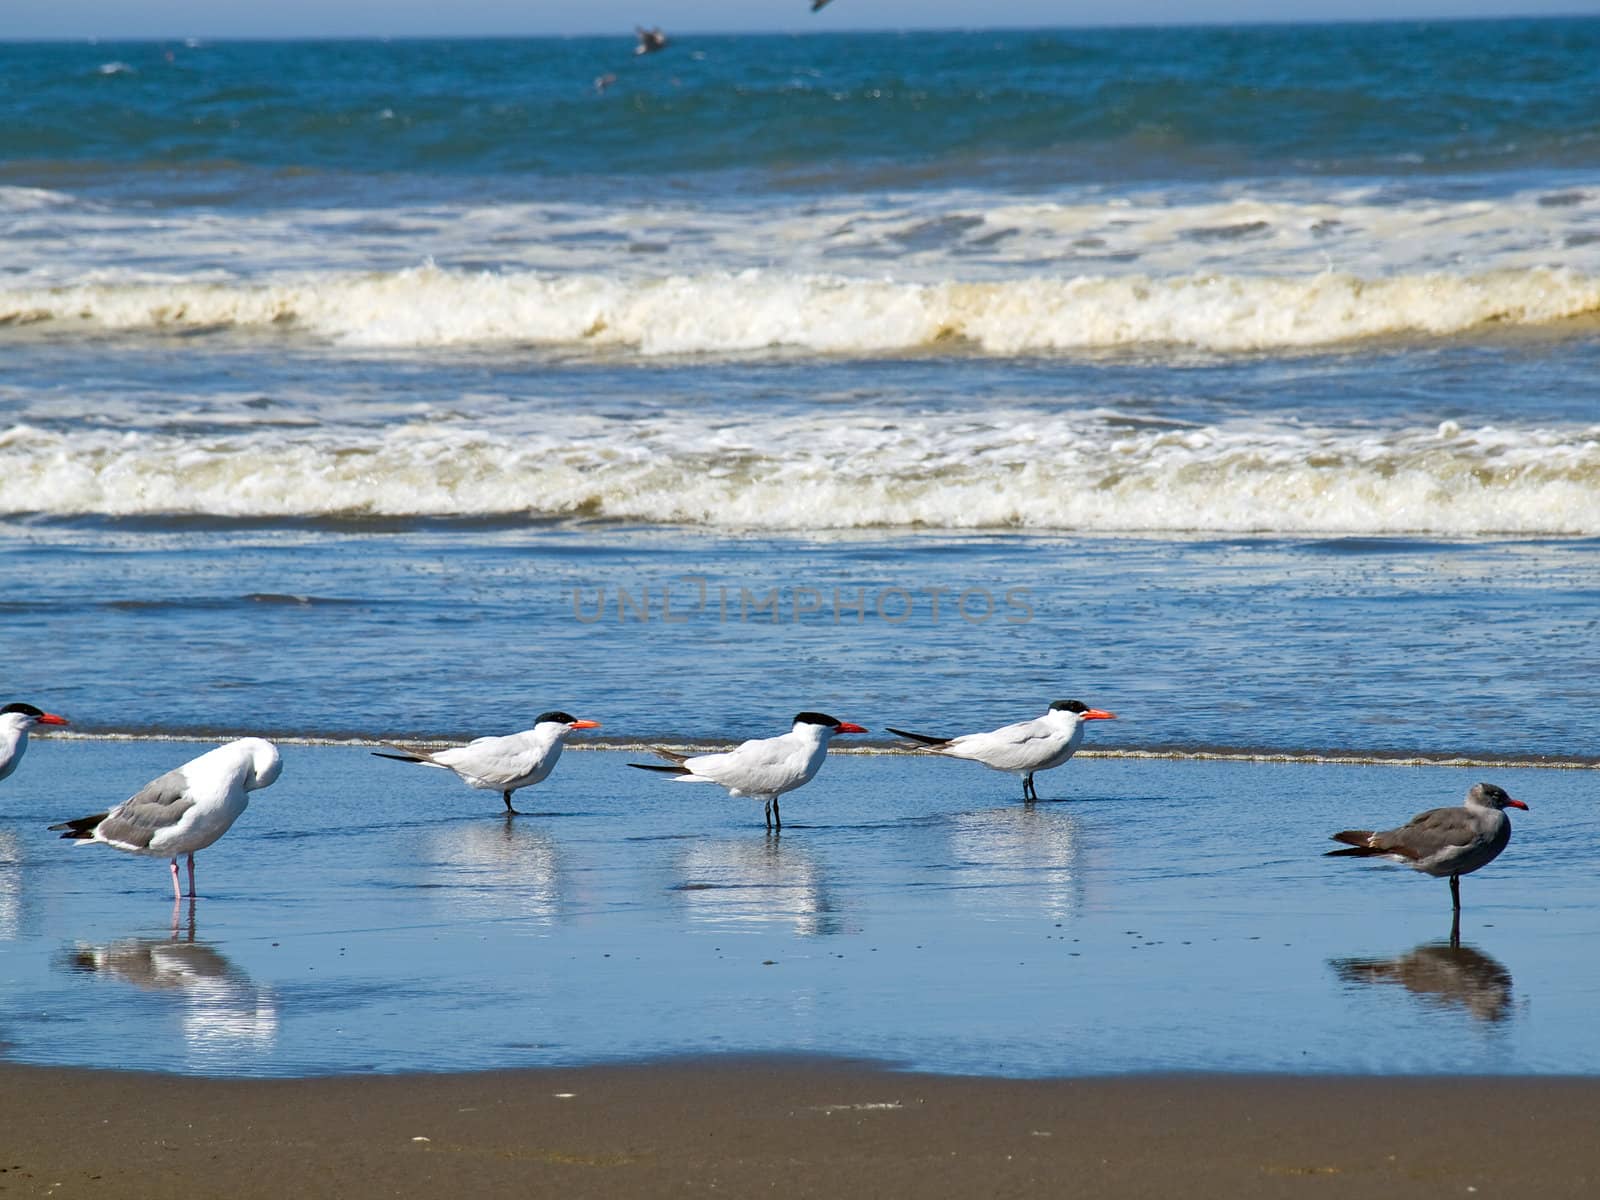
pixel 793 1128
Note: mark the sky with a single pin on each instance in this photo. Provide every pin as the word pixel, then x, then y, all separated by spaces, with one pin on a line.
pixel 107 19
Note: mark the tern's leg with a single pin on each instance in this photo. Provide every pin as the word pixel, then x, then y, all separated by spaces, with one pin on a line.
pixel 1455 930
pixel 191 877
pixel 1029 790
pixel 777 817
pixel 1455 894
pixel 766 810
pixel 513 812
pixel 176 894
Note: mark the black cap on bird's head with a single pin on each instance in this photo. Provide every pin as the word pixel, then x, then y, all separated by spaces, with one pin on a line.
pixel 557 717
pixel 1082 711
pixel 39 716
pixel 827 722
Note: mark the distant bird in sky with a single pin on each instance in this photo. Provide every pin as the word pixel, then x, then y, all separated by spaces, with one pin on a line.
pixel 817 5
pixel 1442 841
pixel 17 721
pixel 502 764
pixel 186 809
pixel 763 768
pixel 1023 748
pixel 650 40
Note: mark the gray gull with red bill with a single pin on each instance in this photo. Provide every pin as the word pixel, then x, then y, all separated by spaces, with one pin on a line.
pixel 1442 841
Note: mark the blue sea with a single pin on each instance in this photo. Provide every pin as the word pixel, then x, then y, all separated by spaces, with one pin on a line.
pixel 1238 380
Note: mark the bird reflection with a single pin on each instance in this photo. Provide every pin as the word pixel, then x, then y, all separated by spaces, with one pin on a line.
pixel 1019 858
pixel 1440 975
pixel 500 869
pixel 734 882
pixel 223 1010
pixel 10 887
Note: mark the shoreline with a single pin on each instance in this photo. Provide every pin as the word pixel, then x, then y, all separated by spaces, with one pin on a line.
pixel 1230 754
pixel 794 1126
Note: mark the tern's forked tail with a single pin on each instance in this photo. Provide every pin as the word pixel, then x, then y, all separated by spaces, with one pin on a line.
pixel 925 738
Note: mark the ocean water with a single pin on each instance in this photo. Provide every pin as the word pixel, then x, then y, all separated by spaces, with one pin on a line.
pixel 1142 916
pixel 1238 380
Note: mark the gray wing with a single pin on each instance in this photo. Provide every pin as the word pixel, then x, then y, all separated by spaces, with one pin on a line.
pixel 158 805
pixel 1428 833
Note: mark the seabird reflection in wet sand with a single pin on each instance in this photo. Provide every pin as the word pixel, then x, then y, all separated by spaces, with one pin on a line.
pixel 744 882
pixel 502 868
pixel 1018 859
pixel 224 1011
pixel 1441 976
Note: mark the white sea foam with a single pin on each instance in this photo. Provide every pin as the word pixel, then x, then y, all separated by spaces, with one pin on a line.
pixel 1009 469
pixel 756 310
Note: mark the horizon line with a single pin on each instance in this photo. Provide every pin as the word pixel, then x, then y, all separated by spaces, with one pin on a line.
pixel 897 30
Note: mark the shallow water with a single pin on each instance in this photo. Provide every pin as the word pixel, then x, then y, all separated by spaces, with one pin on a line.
pixel 1142 917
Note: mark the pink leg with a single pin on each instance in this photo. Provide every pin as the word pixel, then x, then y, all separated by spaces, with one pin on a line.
pixel 176 894
pixel 191 877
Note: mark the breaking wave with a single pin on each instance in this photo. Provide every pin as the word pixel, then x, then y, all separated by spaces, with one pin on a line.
pixel 1012 469
pixel 756 310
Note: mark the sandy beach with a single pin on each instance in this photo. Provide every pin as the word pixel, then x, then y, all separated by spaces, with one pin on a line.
pixel 793 1128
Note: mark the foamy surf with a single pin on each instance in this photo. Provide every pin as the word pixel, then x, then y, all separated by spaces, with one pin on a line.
pixel 758 310
pixel 1008 469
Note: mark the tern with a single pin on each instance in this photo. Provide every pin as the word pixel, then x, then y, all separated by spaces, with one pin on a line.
pixel 1442 841
pixel 502 764
pixel 1023 748
pixel 763 768
pixel 184 810
pixel 16 722
pixel 650 40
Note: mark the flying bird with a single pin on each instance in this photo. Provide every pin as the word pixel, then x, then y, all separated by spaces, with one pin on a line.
pixel 1442 841
pixel 819 5
pixel 17 721
pixel 650 40
pixel 502 764
pixel 184 810
pixel 1023 748
pixel 762 768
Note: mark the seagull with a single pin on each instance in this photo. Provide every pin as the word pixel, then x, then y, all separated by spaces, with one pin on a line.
pixel 1442 841
pixel 764 768
pixel 502 764
pixel 16 722
pixel 1023 748
pixel 187 809
pixel 650 40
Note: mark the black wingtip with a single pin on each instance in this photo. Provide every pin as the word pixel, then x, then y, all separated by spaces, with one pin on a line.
pixel 81 827
pixel 411 758
pixel 925 738
pixel 672 769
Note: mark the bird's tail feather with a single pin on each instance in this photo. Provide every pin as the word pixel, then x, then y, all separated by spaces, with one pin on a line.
pixel 925 738
pixel 1359 842
pixel 82 827
pixel 670 755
